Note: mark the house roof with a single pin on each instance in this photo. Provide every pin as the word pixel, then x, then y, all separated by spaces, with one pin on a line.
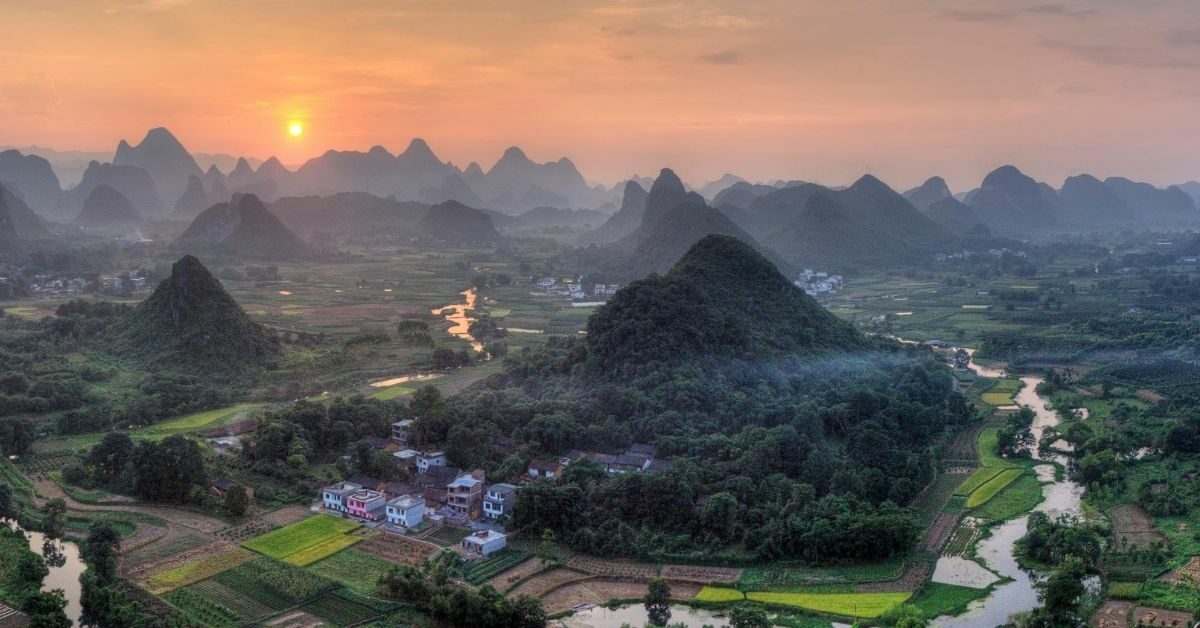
pixel 405 502
pixel 437 476
pixel 483 536
pixel 631 459
pixel 546 465
pixel 502 488
pixel 603 459
pixel 463 481
pixel 342 488
pixel 434 495
pixel 364 480
pixel 399 488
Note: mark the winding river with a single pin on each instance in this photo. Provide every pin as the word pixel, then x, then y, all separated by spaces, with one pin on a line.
pixel 460 319
pixel 998 551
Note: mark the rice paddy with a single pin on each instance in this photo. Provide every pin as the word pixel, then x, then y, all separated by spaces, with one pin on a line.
pixel 307 541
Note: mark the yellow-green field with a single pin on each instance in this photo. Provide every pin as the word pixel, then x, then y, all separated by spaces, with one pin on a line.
pixel 196 570
pixel 989 489
pixel 844 604
pixel 719 595
pixel 298 537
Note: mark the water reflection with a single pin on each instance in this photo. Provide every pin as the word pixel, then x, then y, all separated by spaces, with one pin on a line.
pixel 460 321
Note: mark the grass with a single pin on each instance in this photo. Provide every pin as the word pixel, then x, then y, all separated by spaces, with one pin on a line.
pixel 300 536
pixel 324 549
pixel 1177 597
pixel 186 424
pixel 195 571
pixel 1125 590
pixel 1017 499
pixel 989 439
pixel 353 568
pixel 783 578
pixel 937 599
pixel 992 487
pixel 719 595
pixel 391 392
pixel 980 477
pixel 447 536
pixel 1001 392
pixel 843 604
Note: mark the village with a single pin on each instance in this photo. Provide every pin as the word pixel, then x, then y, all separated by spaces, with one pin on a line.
pixel 574 288
pixel 437 494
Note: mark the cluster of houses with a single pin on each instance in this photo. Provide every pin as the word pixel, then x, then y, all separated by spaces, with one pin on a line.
pixel 57 286
pixel 438 493
pixel 968 254
pixel 815 283
pixel 573 287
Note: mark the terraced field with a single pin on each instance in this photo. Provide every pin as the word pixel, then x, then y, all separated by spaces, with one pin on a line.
pixel 843 604
pixel 992 487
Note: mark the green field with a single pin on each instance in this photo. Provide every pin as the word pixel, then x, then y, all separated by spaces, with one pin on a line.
pixel 1017 499
pixel 992 487
pixel 980 477
pixel 1001 392
pixel 353 568
pixel 298 537
pixel 186 424
pixel 391 392
pixel 324 549
pixel 843 604
pixel 988 440
pixel 196 570
pixel 937 599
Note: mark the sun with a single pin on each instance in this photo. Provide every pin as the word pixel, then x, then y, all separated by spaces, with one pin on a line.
pixel 295 129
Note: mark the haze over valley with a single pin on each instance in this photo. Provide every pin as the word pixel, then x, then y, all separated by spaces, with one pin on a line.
pixel 599 314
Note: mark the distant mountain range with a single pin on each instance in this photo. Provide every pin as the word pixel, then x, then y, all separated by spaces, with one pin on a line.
pixel 163 181
pixel 18 223
pixel 107 209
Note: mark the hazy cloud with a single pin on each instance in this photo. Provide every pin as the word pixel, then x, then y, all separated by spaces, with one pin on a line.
pixel 1184 38
pixel 1118 55
pixel 721 57
pixel 1010 13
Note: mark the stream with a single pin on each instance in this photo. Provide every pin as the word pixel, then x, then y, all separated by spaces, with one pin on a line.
pixel 998 551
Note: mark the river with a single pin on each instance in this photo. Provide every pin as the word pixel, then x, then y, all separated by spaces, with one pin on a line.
pixel 998 551
pixel 64 576
pixel 460 320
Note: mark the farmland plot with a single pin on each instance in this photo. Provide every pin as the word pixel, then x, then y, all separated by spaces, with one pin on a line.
pixel 398 549
pixel 204 562
pixel 298 537
pixel 992 487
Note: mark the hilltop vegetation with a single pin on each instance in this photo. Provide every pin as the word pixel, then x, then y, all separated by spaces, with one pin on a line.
pixel 803 434
pixel 190 323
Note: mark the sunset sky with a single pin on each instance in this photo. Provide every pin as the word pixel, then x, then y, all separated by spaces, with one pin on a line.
pixel 821 91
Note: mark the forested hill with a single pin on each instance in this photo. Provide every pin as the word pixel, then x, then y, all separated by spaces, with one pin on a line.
pixel 190 324
pixel 722 299
pixel 808 436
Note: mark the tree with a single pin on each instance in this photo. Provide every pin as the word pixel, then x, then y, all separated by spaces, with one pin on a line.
pixel 720 516
pixel 546 551
pixel 658 602
pixel 45 610
pixel 100 550
pixel 6 501
pixel 167 471
pixel 54 518
pixel 745 616
pixel 237 500
pixel 109 458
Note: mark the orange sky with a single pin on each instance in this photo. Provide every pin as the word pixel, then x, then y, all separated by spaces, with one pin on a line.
pixel 820 91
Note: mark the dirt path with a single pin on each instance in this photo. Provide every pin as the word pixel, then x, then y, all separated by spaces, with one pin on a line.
pixel 47 490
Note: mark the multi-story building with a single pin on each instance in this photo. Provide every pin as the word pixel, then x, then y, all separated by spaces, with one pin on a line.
pixel 406 511
pixel 499 500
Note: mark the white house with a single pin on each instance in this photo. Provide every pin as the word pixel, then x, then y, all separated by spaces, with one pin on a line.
pixel 484 543
pixel 334 497
pixel 430 459
pixel 499 500
pixel 406 511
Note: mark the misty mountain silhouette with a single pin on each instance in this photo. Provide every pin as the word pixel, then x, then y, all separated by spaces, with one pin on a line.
pixel 245 228
pixel 19 223
pixel 106 208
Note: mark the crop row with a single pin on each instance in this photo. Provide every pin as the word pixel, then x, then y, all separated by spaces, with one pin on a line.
pixel 273 577
pixel 248 603
pixel 342 608
pixel 494 565
pixel 203 610
pixel 981 495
